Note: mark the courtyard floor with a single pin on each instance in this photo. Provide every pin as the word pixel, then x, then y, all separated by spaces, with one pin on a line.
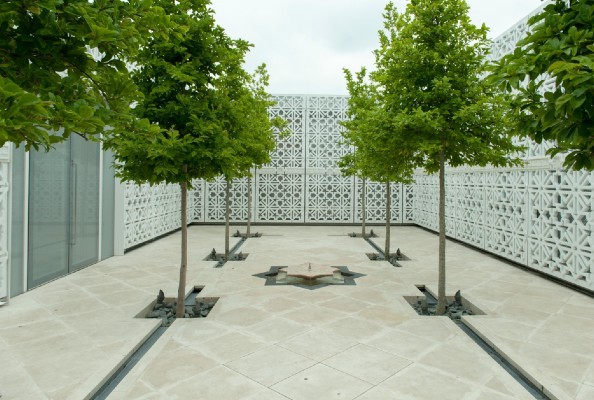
pixel 64 339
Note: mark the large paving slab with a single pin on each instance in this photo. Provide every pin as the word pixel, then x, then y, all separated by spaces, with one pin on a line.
pixel 364 341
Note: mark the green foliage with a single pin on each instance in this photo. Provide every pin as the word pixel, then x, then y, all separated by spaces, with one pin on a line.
pixel 429 66
pixel 208 114
pixel 379 153
pixel 561 46
pixel 50 81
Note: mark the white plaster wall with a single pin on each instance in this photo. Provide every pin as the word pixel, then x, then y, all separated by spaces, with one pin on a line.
pixel 4 233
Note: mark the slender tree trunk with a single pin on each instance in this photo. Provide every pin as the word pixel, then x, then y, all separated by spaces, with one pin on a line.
pixel 441 286
pixel 363 212
pixel 249 208
pixel 227 216
pixel 388 218
pixel 181 290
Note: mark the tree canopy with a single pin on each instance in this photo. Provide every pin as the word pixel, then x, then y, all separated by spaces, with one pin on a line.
pixel 560 45
pixel 378 153
pixel 202 115
pixel 63 66
pixel 430 105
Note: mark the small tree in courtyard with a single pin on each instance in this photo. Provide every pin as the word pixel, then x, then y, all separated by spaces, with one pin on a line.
pixel 185 79
pixel 379 154
pixel 561 46
pixel 250 128
pixel 429 66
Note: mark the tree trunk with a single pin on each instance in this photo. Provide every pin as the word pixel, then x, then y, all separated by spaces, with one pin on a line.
pixel 249 208
pixel 363 213
pixel 388 218
pixel 181 290
pixel 441 286
pixel 227 216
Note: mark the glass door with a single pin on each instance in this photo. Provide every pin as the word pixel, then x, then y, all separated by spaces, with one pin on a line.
pixel 63 209
pixel 84 210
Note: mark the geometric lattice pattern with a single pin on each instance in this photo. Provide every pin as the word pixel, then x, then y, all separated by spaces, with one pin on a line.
pixel 543 219
pixel 4 194
pixel 152 211
pixel 540 217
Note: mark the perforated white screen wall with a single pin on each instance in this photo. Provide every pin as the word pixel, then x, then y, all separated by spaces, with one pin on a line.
pixel 540 216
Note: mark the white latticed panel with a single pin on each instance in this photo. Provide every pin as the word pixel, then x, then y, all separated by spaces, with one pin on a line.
pixel 196 200
pixel 375 202
pixel 324 114
pixel 289 151
pixel 280 197
pixel 506 214
pixel 151 211
pixel 426 198
pixel 469 203
pixel 329 198
pixel 506 42
pixel 561 242
pixel 538 217
pixel 409 202
pixel 215 195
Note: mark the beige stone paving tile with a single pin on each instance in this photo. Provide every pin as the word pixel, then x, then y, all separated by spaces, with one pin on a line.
pixel 15 382
pixel 313 315
pixel 380 392
pixel 220 383
pixel 241 317
pixel 73 307
pixel 318 344
pixel 490 395
pixel 321 382
pixel 230 346
pixel 276 329
pixel 387 315
pixel 173 363
pixel 559 371
pixel 267 394
pixel 367 363
pixel 439 329
pixel 403 344
pixel 502 384
pixel 139 391
pixel 509 328
pixel 356 327
pixel 311 296
pixel 270 365
pixel 462 358
pixel 345 304
pixel 541 303
pixel 574 340
pixel 586 392
pixel 279 304
pixel 421 383
pixel 19 336
pixel 525 315
pixel 373 296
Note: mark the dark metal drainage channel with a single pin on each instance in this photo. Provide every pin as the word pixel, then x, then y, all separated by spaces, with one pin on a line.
pixel 121 373
pixel 380 251
pixel 535 391
pixel 221 259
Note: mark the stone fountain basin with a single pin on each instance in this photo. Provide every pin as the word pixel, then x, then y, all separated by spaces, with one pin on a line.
pixel 309 271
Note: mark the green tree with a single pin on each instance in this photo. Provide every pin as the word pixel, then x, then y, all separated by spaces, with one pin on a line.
pixel 560 45
pixel 429 67
pixel 186 79
pixel 249 126
pixel 63 66
pixel 379 154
